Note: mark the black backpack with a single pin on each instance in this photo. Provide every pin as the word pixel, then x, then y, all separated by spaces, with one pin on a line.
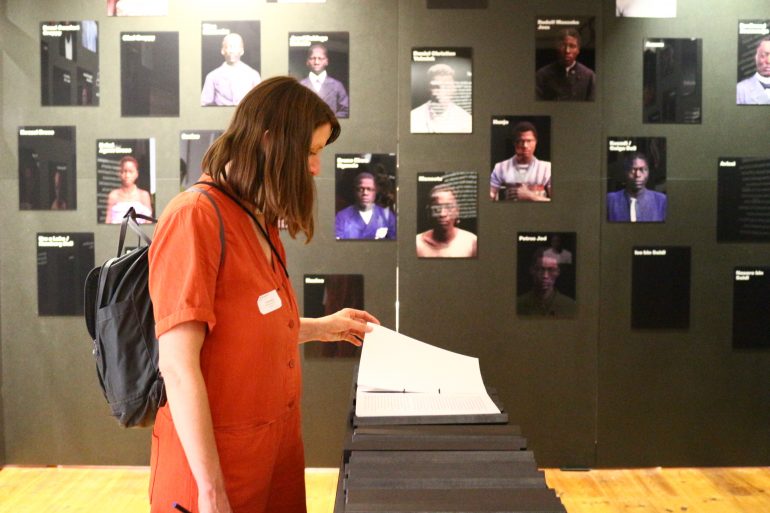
pixel 119 318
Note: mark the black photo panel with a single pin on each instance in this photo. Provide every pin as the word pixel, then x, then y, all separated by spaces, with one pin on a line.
pixel 47 170
pixel 751 307
pixel 149 74
pixel 69 63
pixel 660 288
pixel 193 145
pixel 671 83
pixel 326 294
pixel 743 186
pixel 63 262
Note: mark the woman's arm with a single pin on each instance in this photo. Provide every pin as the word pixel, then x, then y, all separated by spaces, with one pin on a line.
pixel 347 324
pixel 145 199
pixel 179 362
pixel 111 200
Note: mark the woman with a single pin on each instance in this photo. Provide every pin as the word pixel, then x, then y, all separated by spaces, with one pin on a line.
pixel 229 330
pixel 128 195
pixel 58 203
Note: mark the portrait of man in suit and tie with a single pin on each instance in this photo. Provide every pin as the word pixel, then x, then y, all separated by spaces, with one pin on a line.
pixel 755 90
pixel 320 61
pixel 331 90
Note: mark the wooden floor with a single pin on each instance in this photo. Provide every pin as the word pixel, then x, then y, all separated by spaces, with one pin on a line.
pixel 657 490
pixel 664 490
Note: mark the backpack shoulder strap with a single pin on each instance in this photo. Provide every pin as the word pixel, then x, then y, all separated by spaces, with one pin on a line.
pixel 219 216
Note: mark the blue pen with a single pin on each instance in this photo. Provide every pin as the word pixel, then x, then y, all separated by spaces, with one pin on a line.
pixel 181 508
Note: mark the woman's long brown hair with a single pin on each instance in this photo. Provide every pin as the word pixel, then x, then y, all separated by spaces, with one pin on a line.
pixel 263 155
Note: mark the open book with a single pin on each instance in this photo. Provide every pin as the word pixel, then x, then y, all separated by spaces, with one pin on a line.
pixel 401 376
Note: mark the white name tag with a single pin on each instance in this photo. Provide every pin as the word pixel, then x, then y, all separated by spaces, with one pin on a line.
pixel 381 232
pixel 269 302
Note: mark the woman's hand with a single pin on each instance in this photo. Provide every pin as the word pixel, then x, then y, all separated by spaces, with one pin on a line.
pixel 347 324
pixel 213 502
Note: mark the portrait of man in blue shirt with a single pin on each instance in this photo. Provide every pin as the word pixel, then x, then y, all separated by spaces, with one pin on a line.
pixel 364 219
pixel 636 203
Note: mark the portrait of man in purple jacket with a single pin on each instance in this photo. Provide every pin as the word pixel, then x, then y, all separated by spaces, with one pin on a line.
pixel 636 203
pixel 331 90
pixel 365 219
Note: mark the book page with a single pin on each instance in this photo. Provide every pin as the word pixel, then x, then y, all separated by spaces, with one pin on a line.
pixel 399 375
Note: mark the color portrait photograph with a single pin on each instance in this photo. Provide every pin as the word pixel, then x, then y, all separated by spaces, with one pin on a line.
pixel 125 178
pixel 545 278
pixel 230 61
pixel 442 91
pixel 365 187
pixel 320 61
pixel 447 213
pixel 565 58
pixel 636 180
pixel 521 159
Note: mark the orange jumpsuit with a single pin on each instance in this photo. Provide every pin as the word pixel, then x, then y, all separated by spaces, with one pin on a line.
pixel 249 359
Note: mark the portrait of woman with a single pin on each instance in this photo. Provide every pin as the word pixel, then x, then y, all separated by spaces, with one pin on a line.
pixel 128 194
pixel 58 185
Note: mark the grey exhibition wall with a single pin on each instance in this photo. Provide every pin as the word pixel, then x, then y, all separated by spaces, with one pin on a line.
pixel 683 397
pixel 587 391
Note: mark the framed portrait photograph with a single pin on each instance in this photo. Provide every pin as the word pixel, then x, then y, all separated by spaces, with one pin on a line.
pixel 672 81
pixel 365 196
pixel 753 87
pixel 137 7
pixel 447 213
pixel 636 180
pixel 125 178
pixel 645 8
pixel 565 58
pixel 47 168
pixel 442 91
pixel 545 274
pixel 321 62
pixel 69 63
pixel 230 61
pixel 325 294
pixel 521 159
pixel 149 74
